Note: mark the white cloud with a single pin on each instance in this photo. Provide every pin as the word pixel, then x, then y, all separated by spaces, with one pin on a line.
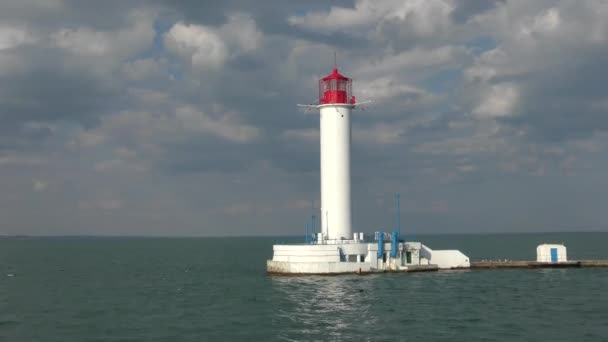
pixel 146 133
pixel 424 17
pixel 209 47
pixel 546 22
pixel 39 185
pixel 202 45
pixel 486 65
pixel 389 87
pixel 241 33
pixel 413 60
pixel 498 100
pixel 338 18
pixel 11 37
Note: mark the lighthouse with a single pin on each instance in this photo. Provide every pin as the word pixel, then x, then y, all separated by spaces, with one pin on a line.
pixel 335 104
pixel 336 249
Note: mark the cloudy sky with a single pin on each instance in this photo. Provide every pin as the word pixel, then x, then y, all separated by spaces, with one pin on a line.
pixel 179 117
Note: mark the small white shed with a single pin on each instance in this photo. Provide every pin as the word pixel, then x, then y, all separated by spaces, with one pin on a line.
pixel 551 253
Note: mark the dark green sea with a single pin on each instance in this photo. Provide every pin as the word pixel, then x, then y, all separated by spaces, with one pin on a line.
pixel 216 289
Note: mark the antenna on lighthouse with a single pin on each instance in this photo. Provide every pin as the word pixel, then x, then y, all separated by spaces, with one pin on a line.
pixel 335 60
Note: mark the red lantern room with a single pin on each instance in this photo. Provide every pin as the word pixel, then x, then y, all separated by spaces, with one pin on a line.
pixel 336 88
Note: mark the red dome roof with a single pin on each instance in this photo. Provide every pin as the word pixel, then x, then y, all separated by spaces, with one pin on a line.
pixel 335 75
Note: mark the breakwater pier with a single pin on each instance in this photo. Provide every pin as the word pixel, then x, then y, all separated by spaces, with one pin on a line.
pixel 502 264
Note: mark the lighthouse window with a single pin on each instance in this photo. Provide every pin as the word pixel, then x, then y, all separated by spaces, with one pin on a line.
pixel 352 258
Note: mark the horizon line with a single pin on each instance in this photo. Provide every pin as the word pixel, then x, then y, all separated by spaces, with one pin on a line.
pixel 3 236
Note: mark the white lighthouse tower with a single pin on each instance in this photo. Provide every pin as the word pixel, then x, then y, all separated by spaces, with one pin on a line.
pixel 336 249
pixel 335 104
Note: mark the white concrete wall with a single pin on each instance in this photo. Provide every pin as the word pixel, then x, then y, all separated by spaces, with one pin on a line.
pixel 445 259
pixel 319 253
pixel 449 259
pixel 354 248
pixel 414 250
pixel 543 252
pixel 425 252
pixel 316 267
pixel 412 245
pixel 306 253
pixel 372 254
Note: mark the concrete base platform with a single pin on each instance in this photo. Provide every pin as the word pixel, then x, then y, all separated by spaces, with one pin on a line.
pixel 336 268
pixel 361 257
pixel 316 268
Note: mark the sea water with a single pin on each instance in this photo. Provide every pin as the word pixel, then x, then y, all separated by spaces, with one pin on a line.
pixel 216 289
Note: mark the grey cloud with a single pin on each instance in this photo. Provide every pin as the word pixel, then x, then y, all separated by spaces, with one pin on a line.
pixel 49 91
pixel 49 14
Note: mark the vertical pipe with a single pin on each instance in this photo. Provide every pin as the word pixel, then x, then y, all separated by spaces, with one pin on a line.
pixel 394 242
pixel 327 222
pixel 312 217
pixel 380 244
pixel 398 213
pixel 354 214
